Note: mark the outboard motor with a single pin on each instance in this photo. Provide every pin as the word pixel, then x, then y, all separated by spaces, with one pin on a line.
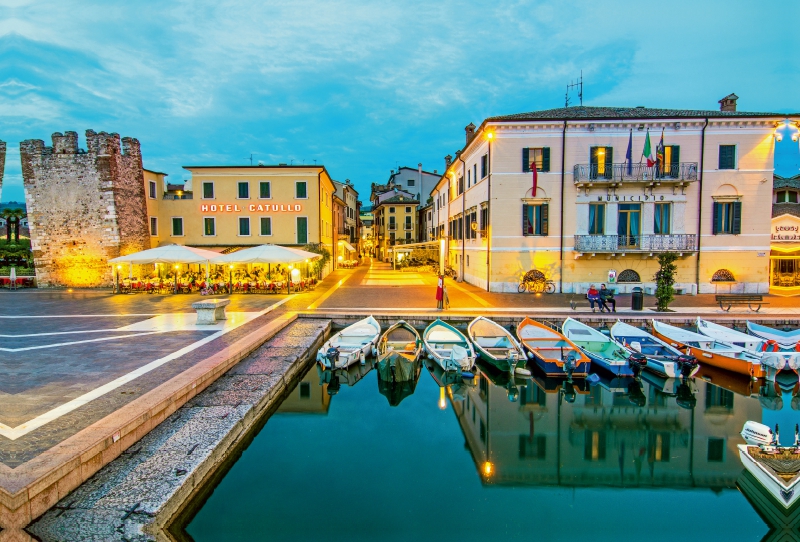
pixel 758 434
pixel 569 365
pixel 569 392
pixel 637 362
pixel 635 394
pixel 333 385
pixel 687 364
pixel 333 356
pixel 685 398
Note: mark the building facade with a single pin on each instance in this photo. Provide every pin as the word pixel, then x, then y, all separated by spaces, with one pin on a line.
pixel 418 182
pixel 785 240
pixel 395 221
pixel 599 216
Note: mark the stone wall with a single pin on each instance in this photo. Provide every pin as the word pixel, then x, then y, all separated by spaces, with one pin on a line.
pixel 2 163
pixel 84 206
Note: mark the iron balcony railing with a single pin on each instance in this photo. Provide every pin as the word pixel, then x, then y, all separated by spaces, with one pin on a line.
pixel 591 173
pixel 177 196
pixel 682 242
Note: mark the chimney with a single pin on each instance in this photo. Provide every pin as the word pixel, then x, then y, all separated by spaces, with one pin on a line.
pixel 447 161
pixel 470 132
pixel 728 103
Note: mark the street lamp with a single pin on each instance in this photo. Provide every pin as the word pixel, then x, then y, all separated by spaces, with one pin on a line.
pixel 176 277
pixel 116 280
pixel 230 279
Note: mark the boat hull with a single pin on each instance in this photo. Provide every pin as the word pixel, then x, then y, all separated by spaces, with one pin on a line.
pixel 395 367
pixel 710 358
pixel 786 495
pixel 616 369
pixel 551 368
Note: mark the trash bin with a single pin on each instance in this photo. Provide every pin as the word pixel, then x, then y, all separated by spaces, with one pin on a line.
pixel 637 299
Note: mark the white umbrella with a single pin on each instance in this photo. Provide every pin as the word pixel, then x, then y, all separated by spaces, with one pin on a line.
pixel 266 254
pixel 167 254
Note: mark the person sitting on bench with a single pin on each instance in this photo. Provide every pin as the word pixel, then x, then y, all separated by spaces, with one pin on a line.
pixel 594 297
pixel 606 298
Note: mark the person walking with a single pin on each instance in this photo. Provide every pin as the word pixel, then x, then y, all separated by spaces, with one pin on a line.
pixel 440 293
pixel 606 299
pixel 594 297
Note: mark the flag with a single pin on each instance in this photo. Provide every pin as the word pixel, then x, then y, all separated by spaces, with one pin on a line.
pixel 648 150
pixel 629 154
pixel 535 177
pixel 660 152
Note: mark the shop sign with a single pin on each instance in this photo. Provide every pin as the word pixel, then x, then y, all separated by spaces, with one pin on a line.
pixel 639 197
pixel 251 208
pixel 786 229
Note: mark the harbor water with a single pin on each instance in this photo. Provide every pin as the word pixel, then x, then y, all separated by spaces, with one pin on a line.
pixel 499 458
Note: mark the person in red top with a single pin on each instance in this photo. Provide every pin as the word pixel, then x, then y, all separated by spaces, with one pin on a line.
pixel 594 297
pixel 440 293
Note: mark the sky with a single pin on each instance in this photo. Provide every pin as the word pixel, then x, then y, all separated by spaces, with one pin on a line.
pixel 366 86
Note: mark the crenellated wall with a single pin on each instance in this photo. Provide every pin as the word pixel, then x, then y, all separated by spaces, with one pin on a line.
pixel 2 163
pixel 84 206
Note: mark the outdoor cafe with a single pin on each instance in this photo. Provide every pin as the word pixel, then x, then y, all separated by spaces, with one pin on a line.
pixel 265 269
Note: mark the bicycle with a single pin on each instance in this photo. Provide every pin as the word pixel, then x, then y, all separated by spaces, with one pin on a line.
pixel 535 282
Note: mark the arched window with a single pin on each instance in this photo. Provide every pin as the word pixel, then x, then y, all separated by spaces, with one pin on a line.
pixel 722 275
pixel 629 275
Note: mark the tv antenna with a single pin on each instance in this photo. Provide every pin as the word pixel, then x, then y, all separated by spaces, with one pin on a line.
pixel 575 84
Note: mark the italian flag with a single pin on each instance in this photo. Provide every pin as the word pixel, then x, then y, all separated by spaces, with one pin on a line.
pixel 648 151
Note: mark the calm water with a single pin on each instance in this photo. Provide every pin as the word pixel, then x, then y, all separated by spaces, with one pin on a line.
pixel 468 464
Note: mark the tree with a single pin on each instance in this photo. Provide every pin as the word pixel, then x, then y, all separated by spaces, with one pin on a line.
pixel 13 218
pixel 319 264
pixel 665 278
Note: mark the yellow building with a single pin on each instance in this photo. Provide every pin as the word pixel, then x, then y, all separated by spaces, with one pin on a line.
pixel 224 207
pixel 597 216
pixel 395 221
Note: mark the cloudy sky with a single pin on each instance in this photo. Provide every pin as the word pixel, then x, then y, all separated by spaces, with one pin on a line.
pixel 364 86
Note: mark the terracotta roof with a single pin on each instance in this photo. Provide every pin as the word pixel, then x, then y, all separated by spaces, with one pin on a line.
pixel 779 209
pixel 399 199
pixel 785 182
pixel 633 113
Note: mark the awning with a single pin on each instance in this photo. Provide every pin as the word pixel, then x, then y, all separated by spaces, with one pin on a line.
pixel 167 254
pixel 348 246
pixel 266 254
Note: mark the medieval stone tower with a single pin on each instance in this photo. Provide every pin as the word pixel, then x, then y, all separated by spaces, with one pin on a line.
pixel 2 163
pixel 84 206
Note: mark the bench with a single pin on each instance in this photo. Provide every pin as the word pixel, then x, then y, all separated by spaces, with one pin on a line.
pixel 210 311
pixel 740 299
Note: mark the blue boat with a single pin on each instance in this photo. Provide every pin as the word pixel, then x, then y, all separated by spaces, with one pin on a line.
pixel 606 354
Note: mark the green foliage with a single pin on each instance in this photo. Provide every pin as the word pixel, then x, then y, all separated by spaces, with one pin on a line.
pixel 319 264
pixel 665 278
pixel 17 252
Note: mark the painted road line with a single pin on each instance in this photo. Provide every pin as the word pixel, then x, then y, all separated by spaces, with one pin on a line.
pixel 327 294
pixel 473 296
pixel 56 345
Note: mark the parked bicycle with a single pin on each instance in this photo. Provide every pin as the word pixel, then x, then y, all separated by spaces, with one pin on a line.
pixel 535 282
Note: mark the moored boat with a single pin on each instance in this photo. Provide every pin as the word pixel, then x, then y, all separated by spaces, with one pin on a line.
pixel 776 467
pixel 448 347
pixel 394 390
pixel 350 345
pixel 495 344
pixel 399 349
pixel 662 359
pixel 555 354
pixel 788 340
pixel 605 353
pixel 710 351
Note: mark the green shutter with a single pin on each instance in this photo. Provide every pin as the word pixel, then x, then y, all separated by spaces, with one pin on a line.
pixel 526 225
pixel 727 156
pixel 609 162
pixel 526 159
pixel 675 164
pixel 717 217
pixel 302 230
pixel 737 218
pixel 545 222
pixel 546 159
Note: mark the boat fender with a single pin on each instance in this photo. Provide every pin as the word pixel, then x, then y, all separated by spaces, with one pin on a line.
pixel 797 346
pixel 530 355
pixel 522 371
pixel 467 375
pixel 593 378
pixel 773 345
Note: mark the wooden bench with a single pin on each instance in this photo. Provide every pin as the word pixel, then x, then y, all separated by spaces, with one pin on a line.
pixel 740 299
pixel 209 311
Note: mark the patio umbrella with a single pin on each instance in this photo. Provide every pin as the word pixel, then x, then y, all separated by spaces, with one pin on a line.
pixel 167 254
pixel 266 254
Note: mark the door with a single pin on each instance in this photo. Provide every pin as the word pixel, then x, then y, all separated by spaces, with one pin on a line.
pixel 629 225
pixel 302 230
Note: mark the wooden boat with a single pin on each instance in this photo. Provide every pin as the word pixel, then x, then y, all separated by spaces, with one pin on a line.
pixel 710 351
pixel 448 347
pixel 782 523
pixel 662 359
pixel 605 353
pixel 555 354
pixel 495 344
pixel 786 339
pixel 352 344
pixel 776 467
pixel 399 349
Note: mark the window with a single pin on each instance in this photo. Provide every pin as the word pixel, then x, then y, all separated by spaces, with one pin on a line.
pixel 391 223
pixel 658 446
pixel 208 190
pixel 594 447
pixel 534 219
pixel 300 190
pixel 266 225
pixel 244 190
pixel 532 447
pixel 484 165
pixel 536 155
pixel 727 218
pixel 460 185
pixel 153 226
pixel 302 230
pixel 484 218
pixel 152 190
pixel 410 182
pixel 597 219
pixel 391 209
pixel 244 225
pixel 408 209
pixel 177 226
pixel 408 222
pixel 305 390
pixel 467 260
pixel 662 220
pixel 786 196
pixel 602 162
pixel 474 173
pixel 671 167
pixel 717 397
pixel 209 226
pixel 727 157
pixel 469 178
pixel 716 450
pixel 408 236
pixel 264 190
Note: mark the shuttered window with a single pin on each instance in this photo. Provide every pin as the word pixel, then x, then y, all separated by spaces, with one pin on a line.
pixel 266 225
pixel 484 165
pixel 727 218
pixel 536 155
pixel 602 162
pixel 727 157
pixel 672 162
pixel 264 190
pixel 535 219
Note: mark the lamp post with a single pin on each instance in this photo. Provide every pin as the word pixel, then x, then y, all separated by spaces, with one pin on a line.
pixel 230 279
pixel 176 277
pixel 116 280
pixel 308 272
pixel 289 280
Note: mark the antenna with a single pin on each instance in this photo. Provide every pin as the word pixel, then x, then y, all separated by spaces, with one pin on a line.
pixel 251 158
pixel 575 84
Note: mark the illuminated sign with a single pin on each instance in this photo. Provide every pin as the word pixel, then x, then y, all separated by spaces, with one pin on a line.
pixel 786 228
pixel 252 208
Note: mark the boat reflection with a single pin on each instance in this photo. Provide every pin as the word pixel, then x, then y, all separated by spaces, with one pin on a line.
pixel 395 391
pixel 784 524
pixel 349 376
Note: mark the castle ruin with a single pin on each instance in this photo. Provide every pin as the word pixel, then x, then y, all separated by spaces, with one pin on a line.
pixel 84 206
pixel 2 163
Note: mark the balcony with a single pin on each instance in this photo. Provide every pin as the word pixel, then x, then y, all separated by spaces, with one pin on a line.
pixel 681 243
pixel 185 195
pixel 586 175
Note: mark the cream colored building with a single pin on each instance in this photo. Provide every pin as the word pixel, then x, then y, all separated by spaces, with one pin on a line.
pixel 597 217
pixel 395 221
pixel 224 207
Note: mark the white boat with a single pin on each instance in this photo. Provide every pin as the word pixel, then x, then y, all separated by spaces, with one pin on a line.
pixel 448 347
pixel 786 339
pixel 604 351
pixel 497 345
pixel 776 467
pixel 352 344
pixel 662 359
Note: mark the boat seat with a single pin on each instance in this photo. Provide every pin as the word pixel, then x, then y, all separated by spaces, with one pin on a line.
pixel 492 342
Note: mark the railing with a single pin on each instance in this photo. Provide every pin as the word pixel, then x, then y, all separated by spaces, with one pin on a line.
pixel 583 173
pixel 636 243
pixel 178 196
pixel 407 227
pixel 392 227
